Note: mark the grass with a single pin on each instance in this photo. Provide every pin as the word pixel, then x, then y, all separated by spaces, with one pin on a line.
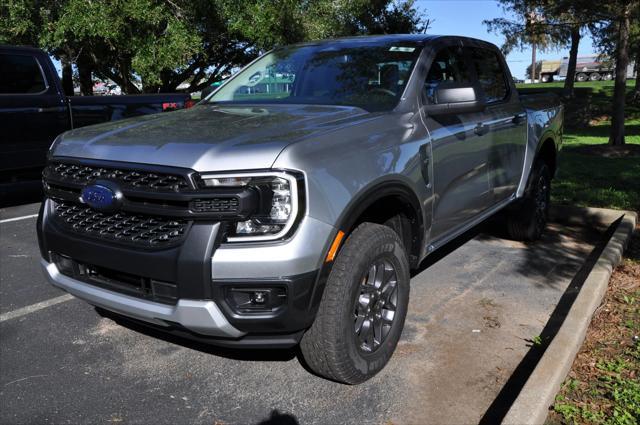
pixel 603 386
pixel 586 179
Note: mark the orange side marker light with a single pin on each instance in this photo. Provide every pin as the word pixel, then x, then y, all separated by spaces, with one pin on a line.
pixel 331 255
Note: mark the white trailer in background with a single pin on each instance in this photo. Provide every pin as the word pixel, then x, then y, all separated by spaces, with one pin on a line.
pixel 588 68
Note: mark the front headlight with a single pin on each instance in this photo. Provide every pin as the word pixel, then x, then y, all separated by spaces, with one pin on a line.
pixel 278 203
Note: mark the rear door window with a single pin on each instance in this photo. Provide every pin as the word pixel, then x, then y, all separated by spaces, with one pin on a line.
pixel 449 66
pixel 20 74
pixel 490 73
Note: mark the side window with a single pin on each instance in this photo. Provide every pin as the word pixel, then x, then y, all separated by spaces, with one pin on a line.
pixel 449 66
pixel 20 74
pixel 491 75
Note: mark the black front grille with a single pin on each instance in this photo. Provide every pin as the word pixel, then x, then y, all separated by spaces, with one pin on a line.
pixel 134 229
pixel 132 179
pixel 216 205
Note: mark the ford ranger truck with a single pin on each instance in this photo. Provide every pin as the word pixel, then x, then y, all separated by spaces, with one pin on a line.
pixel 291 205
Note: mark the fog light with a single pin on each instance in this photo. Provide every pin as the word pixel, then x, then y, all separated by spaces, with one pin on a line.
pixel 254 300
pixel 258 297
pixel 65 264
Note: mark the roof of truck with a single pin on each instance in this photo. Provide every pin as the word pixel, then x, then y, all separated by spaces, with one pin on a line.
pixel 20 48
pixel 418 39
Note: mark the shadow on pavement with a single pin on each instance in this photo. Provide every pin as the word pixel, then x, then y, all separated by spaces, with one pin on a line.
pixel 277 355
pixel 510 391
pixel 277 418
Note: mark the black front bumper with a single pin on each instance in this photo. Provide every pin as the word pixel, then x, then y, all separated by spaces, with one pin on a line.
pixel 187 266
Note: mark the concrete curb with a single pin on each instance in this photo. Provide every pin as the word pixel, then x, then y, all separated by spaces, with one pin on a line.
pixel 532 404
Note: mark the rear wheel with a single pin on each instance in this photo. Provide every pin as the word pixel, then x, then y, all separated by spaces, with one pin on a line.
pixel 594 76
pixel 546 78
pixel 363 307
pixel 528 220
pixel 607 77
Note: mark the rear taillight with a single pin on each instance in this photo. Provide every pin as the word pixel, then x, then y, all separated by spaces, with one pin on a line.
pixel 169 106
pixel 189 103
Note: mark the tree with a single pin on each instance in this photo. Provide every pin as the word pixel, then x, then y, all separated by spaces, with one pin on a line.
pixel 531 28
pixel 636 90
pixel 157 45
pixel 268 23
pixel 622 60
pixel 528 72
pixel 635 49
pixel 572 16
pixel 550 23
pixel 616 35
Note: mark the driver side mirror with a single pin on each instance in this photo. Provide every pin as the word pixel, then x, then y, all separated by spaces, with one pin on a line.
pixel 447 99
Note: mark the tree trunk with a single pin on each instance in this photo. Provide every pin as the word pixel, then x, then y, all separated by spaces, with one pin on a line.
pixel 85 68
pixel 126 84
pixel 67 75
pixel 573 59
pixel 636 90
pixel 619 93
pixel 533 63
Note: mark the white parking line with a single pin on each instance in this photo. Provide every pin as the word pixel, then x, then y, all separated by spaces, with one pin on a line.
pixel 34 307
pixel 24 217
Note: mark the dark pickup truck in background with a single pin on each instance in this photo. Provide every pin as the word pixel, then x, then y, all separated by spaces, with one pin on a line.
pixel 34 109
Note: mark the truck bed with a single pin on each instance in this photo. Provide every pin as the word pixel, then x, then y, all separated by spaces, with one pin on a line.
pixel 88 110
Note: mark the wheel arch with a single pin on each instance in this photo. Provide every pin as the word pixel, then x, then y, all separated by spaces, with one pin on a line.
pixel 381 201
pixel 547 151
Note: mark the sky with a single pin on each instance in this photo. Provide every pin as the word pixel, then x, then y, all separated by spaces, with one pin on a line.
pixel 464 17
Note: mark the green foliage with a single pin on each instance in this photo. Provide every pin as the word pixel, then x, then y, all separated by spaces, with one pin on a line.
pixel 588 179
pixel 623 394
pixel 276 22
pixel 529 23
pixel 155 45
pixel 596 181
pixel 19 22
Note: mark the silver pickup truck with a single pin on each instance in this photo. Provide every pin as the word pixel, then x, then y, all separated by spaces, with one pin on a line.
pixel 290 206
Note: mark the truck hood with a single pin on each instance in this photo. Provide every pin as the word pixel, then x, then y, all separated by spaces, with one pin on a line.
pixel 206 137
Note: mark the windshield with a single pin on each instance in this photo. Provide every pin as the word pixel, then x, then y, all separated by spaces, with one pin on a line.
pixel 372 77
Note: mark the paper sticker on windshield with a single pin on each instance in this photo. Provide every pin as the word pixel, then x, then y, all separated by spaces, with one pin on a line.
pixel 401 49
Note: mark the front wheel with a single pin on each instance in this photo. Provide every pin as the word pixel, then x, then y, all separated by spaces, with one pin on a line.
pixel 528 220
pixel 581 77
pixel 363 307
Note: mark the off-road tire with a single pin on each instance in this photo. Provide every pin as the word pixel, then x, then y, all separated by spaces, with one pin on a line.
pixel 528 220
pixel 331 347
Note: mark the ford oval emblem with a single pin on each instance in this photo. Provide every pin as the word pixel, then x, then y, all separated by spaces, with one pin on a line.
pixel 102 196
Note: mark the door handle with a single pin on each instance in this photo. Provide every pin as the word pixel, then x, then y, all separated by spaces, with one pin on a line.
pixel 518 118
pixel 481 129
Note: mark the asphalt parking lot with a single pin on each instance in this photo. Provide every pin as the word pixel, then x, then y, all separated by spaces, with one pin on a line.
pixel 472 319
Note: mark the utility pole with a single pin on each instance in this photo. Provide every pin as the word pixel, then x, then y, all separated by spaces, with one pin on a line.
pixel 533 62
